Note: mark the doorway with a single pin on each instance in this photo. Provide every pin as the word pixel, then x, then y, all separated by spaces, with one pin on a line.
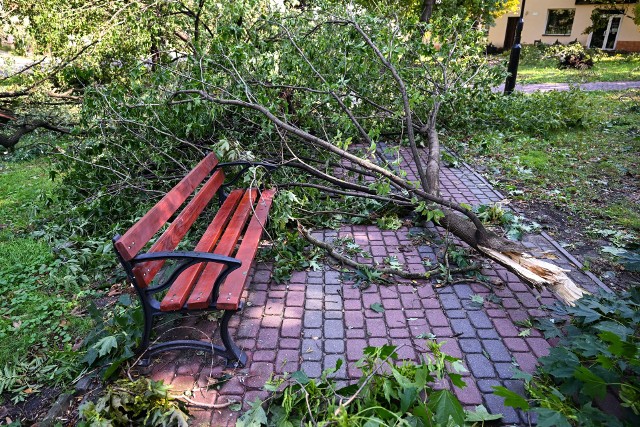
pixel 605 38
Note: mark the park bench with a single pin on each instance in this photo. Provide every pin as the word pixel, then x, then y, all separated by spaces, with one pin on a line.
pixel 210 277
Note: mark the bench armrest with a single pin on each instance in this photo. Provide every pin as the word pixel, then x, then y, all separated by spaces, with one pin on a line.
pixel 187 260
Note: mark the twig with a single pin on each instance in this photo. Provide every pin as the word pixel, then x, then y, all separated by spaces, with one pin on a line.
pixel 389 271
pixel 202 404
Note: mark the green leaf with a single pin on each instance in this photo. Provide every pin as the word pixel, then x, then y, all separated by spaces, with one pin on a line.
pixel 254 417
pixel 300 377
pixel 511 398
pixel 444 404
pixel 477 299
pixel 407 398
pixel 377 307
pixel 457 380
pixel 594 386
pixel 105 345
pixel 550 418
pixel 480 414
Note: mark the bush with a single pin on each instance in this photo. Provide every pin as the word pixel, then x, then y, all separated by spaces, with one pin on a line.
pixel 572 55
pixel 597 356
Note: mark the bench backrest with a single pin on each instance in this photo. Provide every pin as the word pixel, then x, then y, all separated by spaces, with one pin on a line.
pixel 134 240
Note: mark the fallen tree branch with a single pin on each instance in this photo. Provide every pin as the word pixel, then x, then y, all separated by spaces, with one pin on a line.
pixel 388 271
pixel 10 141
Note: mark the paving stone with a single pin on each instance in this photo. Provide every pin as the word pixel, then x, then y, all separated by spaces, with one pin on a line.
pixel 437 318
pixel 355 348
pixel 505 370
pixel 540 346
pixel 313 319
pixel 354 319
pixel 470 345
pixel 480 320
pixel 314 292
pixel 490 334
pixel 352 304
pixel 376 328
pixel 313 304
pixel 263 356
pixel 267 338
pixel 291 328
pixel 496 350
pixel 505 328
pixel 463 327
pixel 463 290
pixel 449 301
pixel 287 361
pixel 334 346
pixel 294 313
pixel 311 349
pixel 290 343
pixel 295 299
pixel 486 386
pixel 470 395
pixel 271 322
pixel 333 328
pixel 526 362
pixel 333 314
pixel 516 344
pixel 456 314
pixel 332 277
pixel 395 319
pixel 480 366
pixel 330 361
pixel 495 405
pixel 390 304
pixel 311 368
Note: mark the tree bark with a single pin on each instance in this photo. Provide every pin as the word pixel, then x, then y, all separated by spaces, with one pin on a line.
pixel 427 10
pixel 9 142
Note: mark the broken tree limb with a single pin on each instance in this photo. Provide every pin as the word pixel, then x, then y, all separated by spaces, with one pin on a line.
pixel 539 273
pixel 10 141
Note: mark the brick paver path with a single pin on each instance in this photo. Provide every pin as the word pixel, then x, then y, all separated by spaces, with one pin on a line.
pixel 317 318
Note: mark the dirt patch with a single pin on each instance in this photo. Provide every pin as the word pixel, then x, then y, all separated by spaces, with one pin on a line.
pixel 569 231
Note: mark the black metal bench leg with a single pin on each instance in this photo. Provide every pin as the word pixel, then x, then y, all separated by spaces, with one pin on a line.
pixel 146 335
pixel 239 358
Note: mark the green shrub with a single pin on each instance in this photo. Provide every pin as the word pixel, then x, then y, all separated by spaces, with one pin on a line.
pixel 598 353
pixel 390 392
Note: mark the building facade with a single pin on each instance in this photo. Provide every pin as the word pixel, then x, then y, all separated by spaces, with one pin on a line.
pixel 565 21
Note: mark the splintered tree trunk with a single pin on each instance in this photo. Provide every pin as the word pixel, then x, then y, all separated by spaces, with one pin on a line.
pixel 433 161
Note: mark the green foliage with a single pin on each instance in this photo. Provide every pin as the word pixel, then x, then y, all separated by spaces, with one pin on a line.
pixel 390 392
pixel 115 336
pixel 293 253
pixel 22 378
pixel 513 225
pixel 142 402
pixel 573 55
pixel 598 353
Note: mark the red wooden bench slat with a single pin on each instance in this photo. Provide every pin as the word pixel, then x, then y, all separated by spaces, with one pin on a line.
pixel 181 288
pixel 231 290
pixel 169 240
pixel 134 240
pixel 201 295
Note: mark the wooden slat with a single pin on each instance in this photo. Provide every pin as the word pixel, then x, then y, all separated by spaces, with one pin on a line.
pixel 178 229
pixel 179 291
pixel 231 290
pixel 201 295
pixel 137 236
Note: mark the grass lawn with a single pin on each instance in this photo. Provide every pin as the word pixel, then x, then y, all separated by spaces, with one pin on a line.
pixel 37 327
pixel 605 69
pixel 592 172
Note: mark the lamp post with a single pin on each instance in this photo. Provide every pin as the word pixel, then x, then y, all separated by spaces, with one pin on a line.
pixel 514 58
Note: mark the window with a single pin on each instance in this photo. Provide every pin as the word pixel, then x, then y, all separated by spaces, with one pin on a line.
pixel 559 22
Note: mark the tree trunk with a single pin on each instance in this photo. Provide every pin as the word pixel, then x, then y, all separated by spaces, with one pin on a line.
pixel 427 10
pixel 9 142
pixel 433 161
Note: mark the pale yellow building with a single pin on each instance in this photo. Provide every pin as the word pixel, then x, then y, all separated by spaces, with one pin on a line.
pixel 548 21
